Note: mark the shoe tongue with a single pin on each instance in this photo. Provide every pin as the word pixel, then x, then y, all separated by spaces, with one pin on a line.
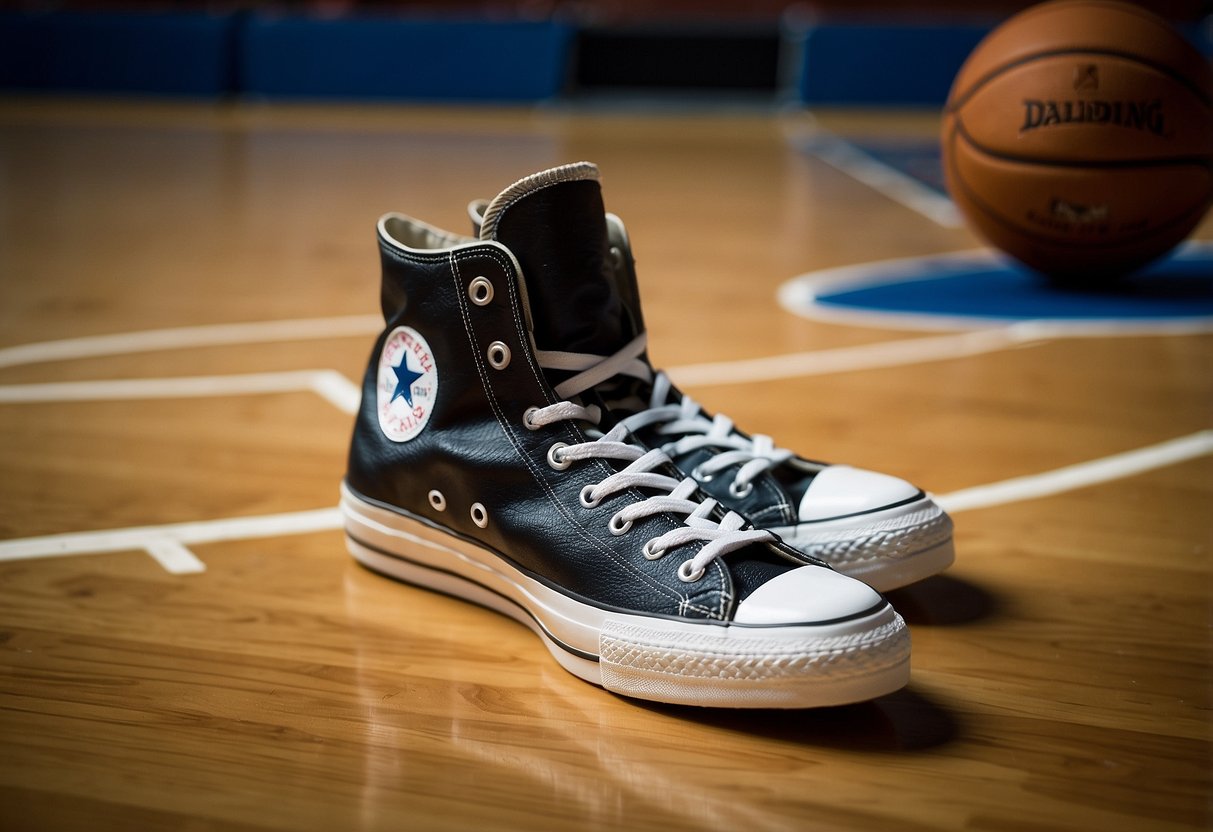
pixel 555 224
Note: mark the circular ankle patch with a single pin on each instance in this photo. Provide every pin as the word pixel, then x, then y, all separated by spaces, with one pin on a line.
pixel 407 384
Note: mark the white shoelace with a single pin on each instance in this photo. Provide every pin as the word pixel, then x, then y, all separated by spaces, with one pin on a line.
pixel 755 454
pixel 722 537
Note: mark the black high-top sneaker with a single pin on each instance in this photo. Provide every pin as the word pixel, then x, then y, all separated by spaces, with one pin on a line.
pixel 865 524
pixel 481 466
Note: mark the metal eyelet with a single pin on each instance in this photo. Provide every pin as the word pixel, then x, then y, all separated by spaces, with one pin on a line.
pixel 480 291
pixel 698 474
pixel 528 417
pixel 585 498
pixel 651 551
pixel 480 515
pixel 618 526
pixel 743 491
pixel 686 575
pixel 437 500
pixel 554 458
pixel 498 355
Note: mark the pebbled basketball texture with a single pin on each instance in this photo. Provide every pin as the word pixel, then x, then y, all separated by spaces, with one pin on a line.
pixel 1078 138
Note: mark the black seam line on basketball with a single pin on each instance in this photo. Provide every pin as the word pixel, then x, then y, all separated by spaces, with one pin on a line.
pixel 1118 164
pixel 582 599
pixel 990 211
pixel 897 504
pixel 1104 53
pixel 1036 236
pixel 568 648
pixel 986 208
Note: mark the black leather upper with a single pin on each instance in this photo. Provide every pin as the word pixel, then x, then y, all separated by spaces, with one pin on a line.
pixel 476 447
pixel 774 499
pixel 562 231
pixel 559 236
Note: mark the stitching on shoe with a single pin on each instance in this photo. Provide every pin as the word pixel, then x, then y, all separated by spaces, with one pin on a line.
pixel 472 250
pixel 490 220
pixel 455 256
pixel 777 510
pixel 569 433
pixel 520 329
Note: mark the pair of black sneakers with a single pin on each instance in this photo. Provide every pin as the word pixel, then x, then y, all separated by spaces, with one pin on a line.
pixel 515 447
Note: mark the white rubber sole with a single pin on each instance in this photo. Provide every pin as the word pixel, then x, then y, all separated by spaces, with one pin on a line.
pixel 648 657
pixel 885 549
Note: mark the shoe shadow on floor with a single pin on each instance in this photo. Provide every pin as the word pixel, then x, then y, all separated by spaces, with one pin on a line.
pixel 944 601
pixel 905 721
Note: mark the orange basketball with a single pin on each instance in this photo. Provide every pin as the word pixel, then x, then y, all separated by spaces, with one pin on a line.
pixel 1078 137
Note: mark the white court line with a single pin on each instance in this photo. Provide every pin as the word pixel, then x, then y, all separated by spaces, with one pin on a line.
pixel 1081 475
pixel 330 384
pixel 211 335
pixel 174 557
pixel 894 184
pixel 344 395
pixel 168 543
pixel 337 389
pixel 865 357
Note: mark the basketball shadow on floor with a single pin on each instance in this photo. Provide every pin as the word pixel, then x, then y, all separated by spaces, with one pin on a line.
pixel 1172 282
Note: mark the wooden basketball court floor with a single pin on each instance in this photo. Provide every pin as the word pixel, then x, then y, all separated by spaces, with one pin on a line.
pixel 187 294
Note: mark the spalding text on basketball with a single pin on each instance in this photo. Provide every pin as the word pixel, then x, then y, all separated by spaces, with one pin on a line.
pixel 1136 115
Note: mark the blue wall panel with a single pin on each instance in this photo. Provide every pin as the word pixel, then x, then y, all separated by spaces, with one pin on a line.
pixel 392 58
pixel 853 64
pixel 412 58
pixel 178 53
pixel 899 65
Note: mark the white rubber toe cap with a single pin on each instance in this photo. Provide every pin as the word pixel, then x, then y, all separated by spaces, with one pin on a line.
pixel 806 595
pixel 840 490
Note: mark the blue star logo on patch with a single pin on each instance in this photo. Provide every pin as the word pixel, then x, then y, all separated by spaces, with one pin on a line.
pixel 404 381
pixel 406 384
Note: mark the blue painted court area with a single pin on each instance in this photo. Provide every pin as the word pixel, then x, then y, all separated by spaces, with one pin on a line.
pixel 1178 287
pixel 978 289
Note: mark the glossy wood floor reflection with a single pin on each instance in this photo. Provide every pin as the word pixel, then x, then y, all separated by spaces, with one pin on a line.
pixel 1062 669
